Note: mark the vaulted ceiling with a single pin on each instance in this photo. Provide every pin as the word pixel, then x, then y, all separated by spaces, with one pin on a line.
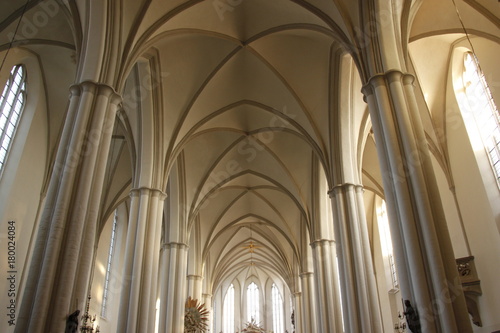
pixel 241 95
pixel 246 92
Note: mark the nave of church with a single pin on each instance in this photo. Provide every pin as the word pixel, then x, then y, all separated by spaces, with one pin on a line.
pixel 307 166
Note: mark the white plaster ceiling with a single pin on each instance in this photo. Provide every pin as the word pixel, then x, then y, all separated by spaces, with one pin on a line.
pixel 246 101
pixel 247 91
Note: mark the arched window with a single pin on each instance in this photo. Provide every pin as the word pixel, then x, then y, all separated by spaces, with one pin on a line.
pixel 386 243
pixel 11 107
pixel 112 244
pixel 277 310
pixel 480 103
pixel 253 302
pixel 228 311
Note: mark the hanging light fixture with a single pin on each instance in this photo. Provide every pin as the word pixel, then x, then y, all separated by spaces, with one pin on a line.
pixel 251 246
pixel 88 320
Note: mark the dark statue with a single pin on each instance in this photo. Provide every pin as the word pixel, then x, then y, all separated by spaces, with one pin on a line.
pixel 412 318
pixel 72 322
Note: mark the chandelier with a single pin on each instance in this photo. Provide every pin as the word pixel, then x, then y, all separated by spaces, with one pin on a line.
pixel 88 320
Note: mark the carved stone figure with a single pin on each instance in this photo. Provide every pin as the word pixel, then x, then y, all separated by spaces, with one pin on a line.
pixel 72 322
pixel 412 318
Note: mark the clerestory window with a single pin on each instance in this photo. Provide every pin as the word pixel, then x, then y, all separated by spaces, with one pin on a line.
pixel 480 104
pixel 386 244
pixel 11 106
pixel 105 293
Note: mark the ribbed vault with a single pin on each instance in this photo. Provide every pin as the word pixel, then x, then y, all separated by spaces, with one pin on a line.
pixel 242 100
pixel 246 98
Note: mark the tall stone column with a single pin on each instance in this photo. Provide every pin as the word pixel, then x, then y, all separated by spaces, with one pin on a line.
pixel 207 299
pixel 308 304
pixel 138 299
pixel 195 266
pixel 173 287
pixel 297 314
pixel 424 256
pixel 357 277
pixel 194 283
pixel 328 314
pixel 62 257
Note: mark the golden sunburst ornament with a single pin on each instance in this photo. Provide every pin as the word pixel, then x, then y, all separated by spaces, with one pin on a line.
pixel 195 317
pixel 253 327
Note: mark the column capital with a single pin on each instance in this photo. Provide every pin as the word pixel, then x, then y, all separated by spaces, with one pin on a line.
pixel 343 187
pixel 169 245
pixel 147 190
pixel 321 241
pixel 96 87
pixel 389 76
pixel 305 274
pixel 194 277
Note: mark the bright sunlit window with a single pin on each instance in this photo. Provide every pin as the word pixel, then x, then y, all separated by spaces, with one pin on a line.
pixel 277 310
pixel 386 242
pixel 253 302
pixel 11 107
pixel 483 108
pixel 105 294
pixel 157 316
pixel 228 311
